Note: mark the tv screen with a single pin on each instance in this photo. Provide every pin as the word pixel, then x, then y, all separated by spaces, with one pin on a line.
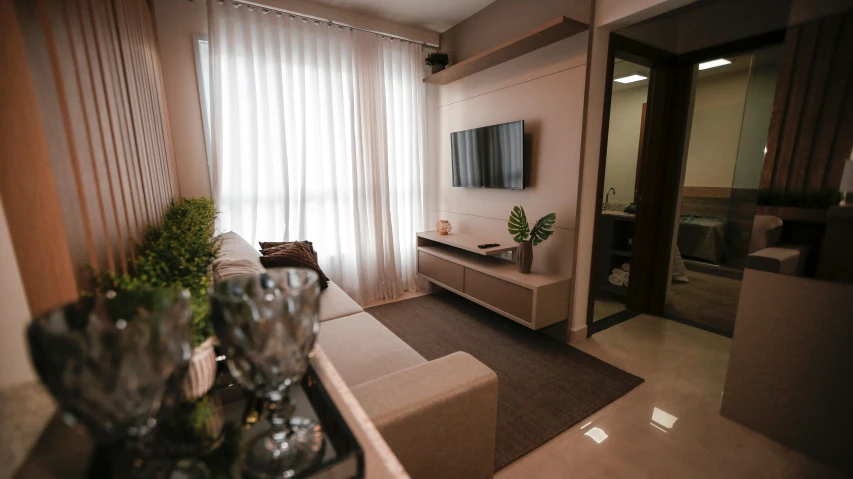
pixel 489 157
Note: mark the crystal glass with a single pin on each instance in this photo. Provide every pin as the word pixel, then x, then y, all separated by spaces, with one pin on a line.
pixel 268 323
pixel 106 359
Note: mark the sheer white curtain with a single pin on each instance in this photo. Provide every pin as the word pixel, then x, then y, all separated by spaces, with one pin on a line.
pixel 318 134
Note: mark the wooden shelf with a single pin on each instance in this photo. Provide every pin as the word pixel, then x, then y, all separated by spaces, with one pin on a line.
pixel 467 242
pixel 499 268
pixel 545 35
pixel 619 252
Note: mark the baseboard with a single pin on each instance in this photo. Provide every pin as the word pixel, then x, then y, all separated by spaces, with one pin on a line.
pixel 577 335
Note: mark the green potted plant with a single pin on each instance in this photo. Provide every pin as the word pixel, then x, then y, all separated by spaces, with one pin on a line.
pixel 528 238
pixel 177 253
pixel 437 60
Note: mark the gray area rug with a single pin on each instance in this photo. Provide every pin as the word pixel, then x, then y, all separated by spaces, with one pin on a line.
pixel 544 386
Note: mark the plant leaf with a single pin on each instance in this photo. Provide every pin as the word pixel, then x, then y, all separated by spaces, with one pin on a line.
pixel 542 230
pixel 517 225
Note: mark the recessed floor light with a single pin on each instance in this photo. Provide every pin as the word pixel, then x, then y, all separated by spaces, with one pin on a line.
pixel 630 79
pixel 713 63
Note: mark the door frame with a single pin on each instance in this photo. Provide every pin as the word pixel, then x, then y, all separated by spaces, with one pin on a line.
pixel 661 82
pixel 671 88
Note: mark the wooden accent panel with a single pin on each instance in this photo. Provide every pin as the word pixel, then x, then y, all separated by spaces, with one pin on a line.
pixel 441 270
pixel 551 32
pixel 707 191
pixel 110 166
pixel 503 295
pixel 811 128
pixel 26 179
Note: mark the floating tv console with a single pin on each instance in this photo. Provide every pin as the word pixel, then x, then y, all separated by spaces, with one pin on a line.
pixel 454 262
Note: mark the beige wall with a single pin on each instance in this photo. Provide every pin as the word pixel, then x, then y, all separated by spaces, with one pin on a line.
pixel 715 132
pixel 14 315
pixel 545 89
pixel 177 22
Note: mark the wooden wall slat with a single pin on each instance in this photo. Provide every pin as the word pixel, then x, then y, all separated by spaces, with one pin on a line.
pixel 838 86
pixel 111 88
pixel 799 85
pixel 814 102
pixel 115 164
pixel 144 215
pixel 811 128
pixel 843 142
pixel 27 184
pixel 111 202
pixel 780 105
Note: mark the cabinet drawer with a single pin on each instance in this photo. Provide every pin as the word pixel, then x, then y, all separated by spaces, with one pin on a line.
pixel 503 295
pixel 441 270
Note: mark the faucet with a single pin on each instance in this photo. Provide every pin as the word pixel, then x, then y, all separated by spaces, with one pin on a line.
pixel 607 198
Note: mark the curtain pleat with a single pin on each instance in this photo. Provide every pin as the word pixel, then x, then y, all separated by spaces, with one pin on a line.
pixel 318 135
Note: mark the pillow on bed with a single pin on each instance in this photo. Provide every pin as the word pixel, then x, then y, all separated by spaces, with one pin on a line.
pixel 298 254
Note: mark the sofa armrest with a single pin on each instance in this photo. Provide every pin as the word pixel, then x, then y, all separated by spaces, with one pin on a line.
pixel 439 418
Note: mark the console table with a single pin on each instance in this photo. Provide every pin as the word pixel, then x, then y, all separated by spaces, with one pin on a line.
pixel 454 262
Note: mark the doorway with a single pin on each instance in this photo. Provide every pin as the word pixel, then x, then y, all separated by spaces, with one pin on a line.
pixel 718 192
pixel 638 101
pixel 680 144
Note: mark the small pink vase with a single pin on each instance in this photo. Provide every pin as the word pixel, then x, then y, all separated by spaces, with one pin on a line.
pixel 443 227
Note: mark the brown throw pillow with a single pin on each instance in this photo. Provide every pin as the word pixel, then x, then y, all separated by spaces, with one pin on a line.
pixel 268 247
pixel 296 254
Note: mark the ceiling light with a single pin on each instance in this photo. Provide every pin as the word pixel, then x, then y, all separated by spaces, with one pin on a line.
pixel 714 63
pixel 630 78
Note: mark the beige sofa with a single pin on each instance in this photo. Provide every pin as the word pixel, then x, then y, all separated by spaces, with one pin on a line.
pixel 437 416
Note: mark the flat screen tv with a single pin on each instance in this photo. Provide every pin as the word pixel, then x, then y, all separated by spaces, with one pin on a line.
pixel 489 157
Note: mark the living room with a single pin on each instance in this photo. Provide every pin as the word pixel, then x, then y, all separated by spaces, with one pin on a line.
pixel 435 173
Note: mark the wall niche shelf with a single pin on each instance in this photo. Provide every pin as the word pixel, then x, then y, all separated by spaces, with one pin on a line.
pixel 551 32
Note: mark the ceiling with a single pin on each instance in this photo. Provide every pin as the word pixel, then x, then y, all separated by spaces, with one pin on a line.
pixel 623 68
pixel 435 15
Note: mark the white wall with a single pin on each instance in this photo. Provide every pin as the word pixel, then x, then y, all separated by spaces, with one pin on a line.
pixel 623 142
pixel 545 89
pixel 14 315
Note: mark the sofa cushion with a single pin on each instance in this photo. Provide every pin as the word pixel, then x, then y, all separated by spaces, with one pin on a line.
pixel 362 349
pixel 228 269
pixel 334 304
pixel 234 247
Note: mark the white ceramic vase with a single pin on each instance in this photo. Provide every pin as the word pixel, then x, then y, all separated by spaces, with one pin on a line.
pixel 202 371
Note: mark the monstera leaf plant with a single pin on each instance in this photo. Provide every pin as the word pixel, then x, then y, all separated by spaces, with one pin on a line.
pixel 528 238
pixel 519 229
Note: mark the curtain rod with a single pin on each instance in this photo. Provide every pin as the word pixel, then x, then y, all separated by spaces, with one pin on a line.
pixel 324 20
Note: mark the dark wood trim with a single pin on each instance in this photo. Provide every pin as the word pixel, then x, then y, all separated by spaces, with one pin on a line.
pixel 639 53
pixel 737 47
pixel 602 163
pixel 638 178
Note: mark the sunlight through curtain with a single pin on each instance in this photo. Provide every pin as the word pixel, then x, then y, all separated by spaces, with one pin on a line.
pixel 318 134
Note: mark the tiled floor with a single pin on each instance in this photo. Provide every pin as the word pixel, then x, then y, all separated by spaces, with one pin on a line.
pixel 604 308
pixel 24 412
pixel 669 426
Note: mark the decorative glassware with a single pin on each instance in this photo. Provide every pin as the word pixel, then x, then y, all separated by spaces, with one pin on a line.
pixel 106 359
pixel 268 323
pixel 443 227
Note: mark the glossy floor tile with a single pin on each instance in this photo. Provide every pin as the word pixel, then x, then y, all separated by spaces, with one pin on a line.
pixel 606 307
pixel 670 425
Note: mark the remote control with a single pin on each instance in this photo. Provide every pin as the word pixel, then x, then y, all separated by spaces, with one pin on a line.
pixel 487 245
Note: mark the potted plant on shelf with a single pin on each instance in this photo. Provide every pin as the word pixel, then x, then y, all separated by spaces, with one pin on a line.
pixel 528 238
pixel 437 60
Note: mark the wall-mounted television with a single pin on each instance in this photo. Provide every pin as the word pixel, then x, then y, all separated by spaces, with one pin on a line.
pixel 489 157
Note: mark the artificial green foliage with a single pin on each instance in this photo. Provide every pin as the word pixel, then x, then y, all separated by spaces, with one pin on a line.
pixel 520 229
pixel 542 230
pixel 437 58
pixel 517 226
pixel 175 254
pixel 822 199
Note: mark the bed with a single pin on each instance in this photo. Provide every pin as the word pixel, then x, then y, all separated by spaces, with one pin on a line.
pixel 703 238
